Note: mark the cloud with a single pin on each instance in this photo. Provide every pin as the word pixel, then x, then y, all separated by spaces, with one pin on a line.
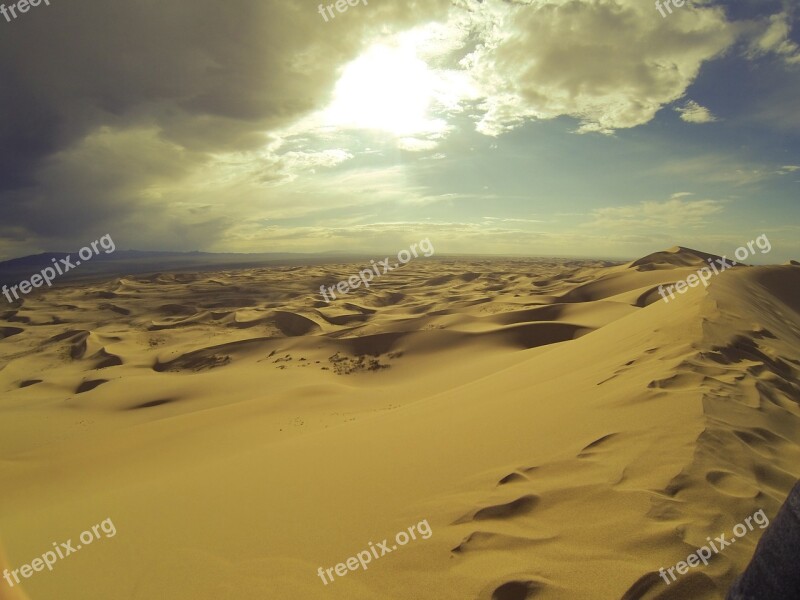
pixel 410 144
pixel 501 220
pixel 652 215
pixel 195 85
pixel 96 183
pixel 542 60
pixel 287 167
pixel 714 168
pixel 186 124
pixel 774 39
pixel 692 112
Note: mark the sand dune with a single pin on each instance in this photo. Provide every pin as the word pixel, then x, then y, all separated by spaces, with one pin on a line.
pixel 564 431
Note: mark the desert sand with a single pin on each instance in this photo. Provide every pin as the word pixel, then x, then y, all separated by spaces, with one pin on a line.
pixel 564 431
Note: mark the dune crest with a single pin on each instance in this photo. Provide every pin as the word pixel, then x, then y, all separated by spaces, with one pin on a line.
pixel 546 416
pixel 677 256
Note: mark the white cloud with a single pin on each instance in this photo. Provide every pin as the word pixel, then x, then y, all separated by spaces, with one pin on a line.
pixel 692 112
pixel 714 168
pixel 506 63
pixel 410 144
pixel 646 215
pixel 286 167
pixel 542 60
pixel 774 39
pixel 501 220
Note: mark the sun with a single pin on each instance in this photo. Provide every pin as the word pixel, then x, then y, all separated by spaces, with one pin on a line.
pixel 387 89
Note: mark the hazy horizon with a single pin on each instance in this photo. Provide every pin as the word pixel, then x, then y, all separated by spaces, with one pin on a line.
pixel 758 259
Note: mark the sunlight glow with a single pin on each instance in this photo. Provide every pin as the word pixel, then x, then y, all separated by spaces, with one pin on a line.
pixel 387 89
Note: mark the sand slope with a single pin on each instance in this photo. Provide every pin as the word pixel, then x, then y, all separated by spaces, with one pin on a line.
pixel 565 432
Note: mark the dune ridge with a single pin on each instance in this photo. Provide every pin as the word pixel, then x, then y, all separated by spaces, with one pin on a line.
pixel 565 434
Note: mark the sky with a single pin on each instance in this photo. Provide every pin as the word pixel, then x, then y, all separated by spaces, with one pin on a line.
pixel 594 128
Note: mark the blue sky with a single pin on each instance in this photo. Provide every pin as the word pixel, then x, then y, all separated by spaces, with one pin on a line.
pixel 569 128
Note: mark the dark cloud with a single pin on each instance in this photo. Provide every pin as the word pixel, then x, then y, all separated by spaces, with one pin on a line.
pixel 102 100
pixel 149 120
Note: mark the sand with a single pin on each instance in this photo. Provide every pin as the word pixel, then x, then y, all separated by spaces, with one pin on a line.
pixel 564 431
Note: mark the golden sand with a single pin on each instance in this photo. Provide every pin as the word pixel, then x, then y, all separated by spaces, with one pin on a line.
pixel 564 431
